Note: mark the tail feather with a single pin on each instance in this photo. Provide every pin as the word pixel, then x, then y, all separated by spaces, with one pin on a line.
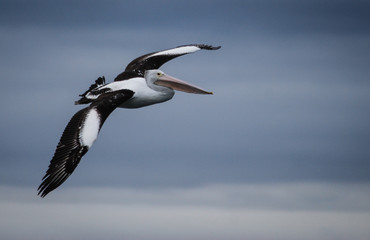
pixel 98 83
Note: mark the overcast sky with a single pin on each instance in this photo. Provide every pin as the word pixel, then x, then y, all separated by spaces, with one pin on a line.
pixel 289 117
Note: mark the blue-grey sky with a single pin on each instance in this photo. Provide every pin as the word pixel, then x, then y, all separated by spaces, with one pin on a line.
pixel 290 106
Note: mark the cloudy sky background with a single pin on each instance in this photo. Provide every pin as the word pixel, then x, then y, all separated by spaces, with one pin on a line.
pixel 280 151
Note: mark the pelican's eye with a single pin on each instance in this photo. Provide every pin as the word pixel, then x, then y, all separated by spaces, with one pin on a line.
pixel 159 74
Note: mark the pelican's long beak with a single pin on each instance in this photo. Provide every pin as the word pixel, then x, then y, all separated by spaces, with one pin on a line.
pixel 179 85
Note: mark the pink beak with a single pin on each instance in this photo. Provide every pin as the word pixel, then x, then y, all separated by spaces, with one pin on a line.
pixel 179 85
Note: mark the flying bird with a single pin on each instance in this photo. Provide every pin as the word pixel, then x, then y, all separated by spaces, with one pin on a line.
pixel 141 84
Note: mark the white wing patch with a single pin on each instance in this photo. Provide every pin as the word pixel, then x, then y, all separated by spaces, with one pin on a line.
pixel 177 51
pixel 90 128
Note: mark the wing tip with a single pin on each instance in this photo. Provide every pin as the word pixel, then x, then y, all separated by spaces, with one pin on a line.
pixel 202 46
pixel 42 191
pixel 209 47
pixel 50 184
pixel 45 187
pixel 41 194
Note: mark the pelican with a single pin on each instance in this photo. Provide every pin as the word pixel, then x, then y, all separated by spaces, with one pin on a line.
pixel 141 84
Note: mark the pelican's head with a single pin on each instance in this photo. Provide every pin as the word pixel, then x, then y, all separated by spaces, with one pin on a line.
pixel 159 78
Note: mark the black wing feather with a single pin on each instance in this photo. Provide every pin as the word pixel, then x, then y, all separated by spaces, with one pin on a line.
pixel 66 157
pixel 137 67
pixel 69 150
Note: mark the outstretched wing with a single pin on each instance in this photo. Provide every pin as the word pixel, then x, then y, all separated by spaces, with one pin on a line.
pixel 137 67
pixel 79 135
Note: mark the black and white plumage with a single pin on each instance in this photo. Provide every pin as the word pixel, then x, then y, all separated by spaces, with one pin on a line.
pixel 137 67
pixel 141 84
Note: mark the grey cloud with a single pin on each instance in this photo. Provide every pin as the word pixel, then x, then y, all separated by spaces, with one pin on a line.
pixel 262 211
pixel 283 17
pixel 286 107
